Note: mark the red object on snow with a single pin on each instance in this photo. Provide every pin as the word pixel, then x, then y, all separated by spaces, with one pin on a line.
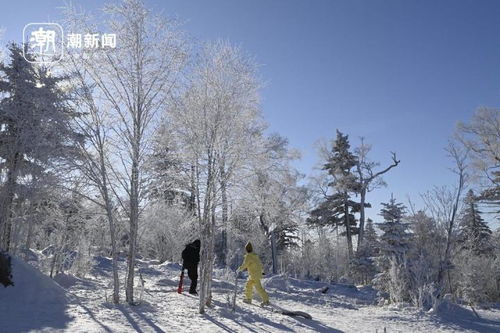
pixel 179 289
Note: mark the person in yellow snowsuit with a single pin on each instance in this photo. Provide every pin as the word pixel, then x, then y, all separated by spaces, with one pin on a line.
pixel 253 264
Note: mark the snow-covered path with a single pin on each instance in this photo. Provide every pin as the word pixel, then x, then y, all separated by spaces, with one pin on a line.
pixel 341 309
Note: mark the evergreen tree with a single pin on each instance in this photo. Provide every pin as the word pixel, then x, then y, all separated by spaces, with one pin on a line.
pixel 372 242
pixel 35 131
pixel 338 209
pixel 394 245
pixel 395 239
pixel 474 234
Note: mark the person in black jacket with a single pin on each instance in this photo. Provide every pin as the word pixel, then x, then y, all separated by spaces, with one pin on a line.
pixel 190 260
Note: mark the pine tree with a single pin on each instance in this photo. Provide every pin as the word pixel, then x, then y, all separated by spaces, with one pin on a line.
pixel 372 242
pixel 338 209
pixel 394 245
pixel 35 131
pixel 474 234
pixel 395 239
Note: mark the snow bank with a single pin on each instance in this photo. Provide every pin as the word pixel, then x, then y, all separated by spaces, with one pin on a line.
pixel 281 282
pixel 103 265
pixel 30 255
pixel 347 293
pixel 67 280
pixel 170 266
pixel 31 287
pixel 34 302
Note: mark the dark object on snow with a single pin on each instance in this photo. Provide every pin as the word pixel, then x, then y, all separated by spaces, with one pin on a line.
pixel 274 308
pixel 324 290
pixel 5 270
pixel 190 260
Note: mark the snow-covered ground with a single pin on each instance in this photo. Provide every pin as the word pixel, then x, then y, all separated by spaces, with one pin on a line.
pixel 38 303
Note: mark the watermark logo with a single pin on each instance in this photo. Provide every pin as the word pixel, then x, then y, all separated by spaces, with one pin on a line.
pixel 90 41
pixel 45 42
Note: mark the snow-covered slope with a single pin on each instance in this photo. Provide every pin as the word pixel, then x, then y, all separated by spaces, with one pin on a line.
pixel 35 302
pixel 39 304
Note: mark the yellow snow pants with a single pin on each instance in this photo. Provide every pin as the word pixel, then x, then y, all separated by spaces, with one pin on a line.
pixel 253 282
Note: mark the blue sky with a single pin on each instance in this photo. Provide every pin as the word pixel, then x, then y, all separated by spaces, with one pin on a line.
pixel 400 73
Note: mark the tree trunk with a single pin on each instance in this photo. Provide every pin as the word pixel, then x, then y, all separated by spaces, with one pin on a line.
pixel 134 217
pixel 16 228
pixel 112 229
pixel 211 253
pixel 192 197
pixel 498 287
pixel 361 216
pixel 6 207
pixel 206 235
pixel 444 264
pixel 29 233
pixel 273 252
pixel 224 216
pixel 114 255
pixel 56 264
pixel 347 228
pixel 198 197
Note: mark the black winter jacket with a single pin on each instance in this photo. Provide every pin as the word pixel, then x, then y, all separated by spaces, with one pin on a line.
pixel 191 254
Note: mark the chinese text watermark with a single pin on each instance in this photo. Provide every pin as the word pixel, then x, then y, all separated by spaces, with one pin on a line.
pixel 45 42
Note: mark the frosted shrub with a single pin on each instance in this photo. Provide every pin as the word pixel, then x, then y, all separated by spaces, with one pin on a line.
pixel 398 282
pixel 166 230
pixel 477 278
pixel 83 262
pixel 423 296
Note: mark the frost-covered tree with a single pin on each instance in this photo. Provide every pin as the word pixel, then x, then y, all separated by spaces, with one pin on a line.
pixel 68 230
pixel 394 246
pixel 165 229
pixel 424 257
pixel 133 81
pixel 481 136
pixel 35 132
pixel 320 256
pixel 338 209
pixel 368 179
pixel 94 152
pixel 395 238
pixel 274 197
pixel 363 265
pixel 443 204
pixel 477 278
pixel 477 264
pixel 217 120
pixel 171 175
pixel 474 233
